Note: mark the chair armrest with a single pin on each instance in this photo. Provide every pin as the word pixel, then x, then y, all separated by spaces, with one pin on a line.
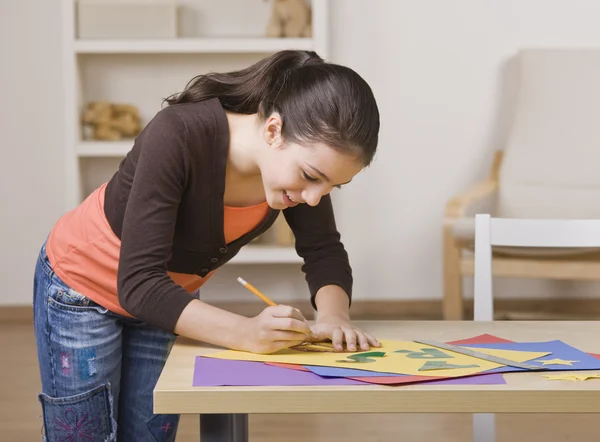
pixel 478 198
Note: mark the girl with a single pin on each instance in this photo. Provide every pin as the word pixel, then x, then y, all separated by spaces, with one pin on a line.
pixel 118 277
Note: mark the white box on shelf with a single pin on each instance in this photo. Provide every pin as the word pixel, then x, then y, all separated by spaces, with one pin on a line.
pixel 136 19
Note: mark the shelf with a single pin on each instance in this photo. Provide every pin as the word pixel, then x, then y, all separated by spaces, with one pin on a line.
pixel 264 254
pixel 191 45
pixel 104 148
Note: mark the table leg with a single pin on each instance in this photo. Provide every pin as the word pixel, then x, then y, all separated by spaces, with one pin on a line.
pixel 484 427
pixel 223 428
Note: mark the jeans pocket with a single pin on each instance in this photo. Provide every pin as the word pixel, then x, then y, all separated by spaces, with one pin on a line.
pixel 164 427
pixel 65 298
pixel 87 416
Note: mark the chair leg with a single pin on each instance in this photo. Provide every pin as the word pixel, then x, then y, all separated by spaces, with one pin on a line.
pixel 453 303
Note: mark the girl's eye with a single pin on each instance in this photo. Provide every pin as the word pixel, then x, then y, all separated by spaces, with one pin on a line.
pixel 308 177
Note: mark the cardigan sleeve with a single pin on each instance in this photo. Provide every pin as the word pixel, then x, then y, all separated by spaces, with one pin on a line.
pixel 145 289
pixel 318 242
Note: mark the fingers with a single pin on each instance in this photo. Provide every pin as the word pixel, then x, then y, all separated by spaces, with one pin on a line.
pixel 289 318
pixel 374 342
pixel 355 339
pixel 350 337
pixel 279 335
pixel 290 324
pixel 337 339
pixel 363 341
pixel 285 311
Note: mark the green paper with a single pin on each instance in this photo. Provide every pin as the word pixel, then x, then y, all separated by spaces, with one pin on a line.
pixel 426 353
pixel 363 357
pixel 441 365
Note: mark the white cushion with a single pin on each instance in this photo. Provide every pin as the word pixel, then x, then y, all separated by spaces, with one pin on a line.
pixel 550 167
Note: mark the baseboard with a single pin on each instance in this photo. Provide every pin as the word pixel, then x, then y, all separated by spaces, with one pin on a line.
pixel 518 309
pixel 16 314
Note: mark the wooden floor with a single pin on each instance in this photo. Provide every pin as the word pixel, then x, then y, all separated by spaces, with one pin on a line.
pixel 20 414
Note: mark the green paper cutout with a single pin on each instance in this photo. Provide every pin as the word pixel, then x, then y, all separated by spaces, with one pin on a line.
pixel 426 353
pixel 363 357
pixel 441 365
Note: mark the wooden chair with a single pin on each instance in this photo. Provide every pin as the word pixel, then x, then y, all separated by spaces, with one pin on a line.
pixel 525 233
pixel 547 169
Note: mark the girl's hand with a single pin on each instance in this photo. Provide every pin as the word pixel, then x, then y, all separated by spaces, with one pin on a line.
pixel 275 328
pixel 340 330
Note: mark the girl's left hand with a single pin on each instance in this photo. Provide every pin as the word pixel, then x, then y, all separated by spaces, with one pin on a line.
pixel 340 331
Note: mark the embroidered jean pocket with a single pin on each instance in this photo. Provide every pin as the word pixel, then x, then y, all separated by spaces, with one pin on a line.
pixel 83 417
pixel 164 427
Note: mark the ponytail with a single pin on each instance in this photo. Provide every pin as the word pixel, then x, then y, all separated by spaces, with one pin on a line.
pixel 317 101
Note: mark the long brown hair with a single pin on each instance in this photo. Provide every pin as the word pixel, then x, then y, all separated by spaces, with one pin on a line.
pixel 317 101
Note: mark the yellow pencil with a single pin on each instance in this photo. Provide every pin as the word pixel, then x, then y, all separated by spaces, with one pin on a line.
pixel 270 302
pixel 255 291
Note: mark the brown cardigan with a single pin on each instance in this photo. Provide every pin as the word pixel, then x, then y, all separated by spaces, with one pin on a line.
pixel 165 203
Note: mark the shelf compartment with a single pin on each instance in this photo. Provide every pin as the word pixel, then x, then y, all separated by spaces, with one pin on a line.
pixel 87 149
pixel 266 254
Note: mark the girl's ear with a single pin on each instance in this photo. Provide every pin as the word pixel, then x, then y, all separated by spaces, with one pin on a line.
pixel 272 130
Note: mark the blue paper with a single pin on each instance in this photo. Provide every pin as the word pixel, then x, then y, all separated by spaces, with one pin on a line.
pixel 558 350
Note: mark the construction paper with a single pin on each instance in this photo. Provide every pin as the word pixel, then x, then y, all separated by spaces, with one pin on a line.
pixel 210 372
pixel 572 376
pixel 395 379
pixel 401 380
pixel 479 339
pixel 477 379
pixel 558 352
pixel 396 359
pixel 363 374
pixel 564 356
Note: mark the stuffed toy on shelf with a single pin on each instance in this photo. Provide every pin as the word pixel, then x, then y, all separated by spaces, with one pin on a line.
pixel 290 18
pixel 111 121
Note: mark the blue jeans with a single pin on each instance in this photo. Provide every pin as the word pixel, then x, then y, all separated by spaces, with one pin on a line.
pixel 98 368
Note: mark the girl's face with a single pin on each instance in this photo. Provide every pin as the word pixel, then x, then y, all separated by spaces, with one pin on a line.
pixel 294 174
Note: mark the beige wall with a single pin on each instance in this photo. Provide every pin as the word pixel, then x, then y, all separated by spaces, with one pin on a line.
pixel 442 73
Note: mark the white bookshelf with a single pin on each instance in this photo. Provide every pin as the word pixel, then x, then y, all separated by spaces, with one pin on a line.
pixel 98 149
pixel 86 62
pixel 193 45
pixel 264 254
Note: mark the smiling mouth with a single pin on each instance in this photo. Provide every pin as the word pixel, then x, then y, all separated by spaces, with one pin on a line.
pixel 289 201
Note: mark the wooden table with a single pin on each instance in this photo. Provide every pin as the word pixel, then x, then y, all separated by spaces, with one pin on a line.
pixel 224 410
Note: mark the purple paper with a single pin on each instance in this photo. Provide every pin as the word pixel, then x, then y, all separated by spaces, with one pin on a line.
pixel 211 372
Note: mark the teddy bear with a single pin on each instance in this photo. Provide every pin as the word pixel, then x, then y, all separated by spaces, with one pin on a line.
pixel 290 18
pixel 111 121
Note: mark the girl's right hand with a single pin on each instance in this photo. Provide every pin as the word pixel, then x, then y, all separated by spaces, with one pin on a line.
pixel 275 328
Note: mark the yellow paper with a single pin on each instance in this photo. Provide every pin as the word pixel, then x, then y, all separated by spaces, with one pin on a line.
pixel 392 362
pixel 556 362
pixel 581 376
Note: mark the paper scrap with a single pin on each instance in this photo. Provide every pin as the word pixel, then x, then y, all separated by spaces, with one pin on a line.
pixel 555 361
pixel 572 376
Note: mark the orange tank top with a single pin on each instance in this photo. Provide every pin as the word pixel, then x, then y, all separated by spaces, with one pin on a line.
pixel 84 251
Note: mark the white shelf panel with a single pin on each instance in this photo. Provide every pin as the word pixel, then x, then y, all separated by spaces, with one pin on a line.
pixel 192 45
pixel 263 254
pixel 104 148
